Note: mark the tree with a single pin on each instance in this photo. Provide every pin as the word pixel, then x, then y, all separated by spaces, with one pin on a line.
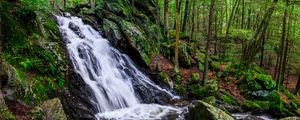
pixel 186 15
pixel 252 48
pixel 231 16
pixel 177 35
pixel 166 17
pixel 209 38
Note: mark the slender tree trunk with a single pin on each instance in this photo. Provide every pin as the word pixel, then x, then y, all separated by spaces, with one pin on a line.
pixel 64 3
pixel 216 33
pixel 297 90
pixel 179 13
pixel 262 51
pixel 231 16
pixel 209 38
pixel 158 38
pixel 286 49
pixel 166 17
pixel 249 16
pixel 177 35
pixel 192 28
pixel 186 15
pixel 243 13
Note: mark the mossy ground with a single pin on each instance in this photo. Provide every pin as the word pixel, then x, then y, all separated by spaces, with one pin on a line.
pixel 33 46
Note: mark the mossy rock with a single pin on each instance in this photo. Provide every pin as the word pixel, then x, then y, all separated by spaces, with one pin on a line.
pixel 5 114
pixel 227 98
pixel 194 78
pixel 53 109
pixel 209 89
pixel 204 111
pixel 210 100
pixel 182 90
pixel 262 94
pixel 290 118
pixel 256 105
pixel 267 82
pixel 166 79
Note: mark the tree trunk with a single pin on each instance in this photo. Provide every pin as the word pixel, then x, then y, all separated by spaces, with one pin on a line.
pixel 166 17
pixel 186 15
pixel 243 13
pixel 262 51
pixel 297 90
pixel 64 3
pixel 177 35
pixel 253 47
pixel 249 16
pixel 193 22
pixel 286 39
pixel 209 38
pixel 232 16
pixel 282 60
pixel 178 11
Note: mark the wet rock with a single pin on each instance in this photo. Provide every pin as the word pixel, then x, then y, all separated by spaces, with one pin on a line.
pixel 5 113
pixel 76 99
pixel 76 30
pixel 290 118
pixel 200 110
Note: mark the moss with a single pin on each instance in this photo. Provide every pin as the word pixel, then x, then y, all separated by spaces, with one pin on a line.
pixel 194 78
pixel 35 49
pixel 256 105
pixel 5 114
pixel 211 100
pixel 227 98
pixel 165 77
pixel 267 81
pixel 215 65
pixel 180 89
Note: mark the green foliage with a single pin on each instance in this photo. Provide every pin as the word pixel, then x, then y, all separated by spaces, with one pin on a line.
pixel 194 78
pixel 38 65
pixel 227 98
pixel 257 105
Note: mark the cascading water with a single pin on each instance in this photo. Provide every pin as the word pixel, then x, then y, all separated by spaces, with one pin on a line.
pixel 110 74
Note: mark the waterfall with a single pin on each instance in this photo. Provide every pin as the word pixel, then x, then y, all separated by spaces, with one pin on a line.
pixel 111 75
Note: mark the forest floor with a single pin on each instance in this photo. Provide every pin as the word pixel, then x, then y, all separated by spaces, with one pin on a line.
pixel 168 67
pixel 228 84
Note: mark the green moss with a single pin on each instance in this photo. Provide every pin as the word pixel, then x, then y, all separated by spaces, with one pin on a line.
pixel 227 98
pixel 257 105
pixel 165 77
pixel 267 81
pixel 5 114
pixel 211 100
pixel 194 78
pixel 180 89
pixel 35 49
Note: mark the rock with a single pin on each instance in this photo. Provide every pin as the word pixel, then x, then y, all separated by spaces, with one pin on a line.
pixel 266 81
pixel 210 100
pixel 76 101
pixel 200 110
pixel 5 113
pixel 53 110
pixel 290 118
pixel 261 94
pixel 76 30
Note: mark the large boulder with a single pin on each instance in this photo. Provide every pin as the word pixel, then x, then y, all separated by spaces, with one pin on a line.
pixel 200 110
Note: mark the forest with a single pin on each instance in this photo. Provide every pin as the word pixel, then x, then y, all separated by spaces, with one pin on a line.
pixel 149 59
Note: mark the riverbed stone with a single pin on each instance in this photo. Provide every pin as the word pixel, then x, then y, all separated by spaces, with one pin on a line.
pixel 200 110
